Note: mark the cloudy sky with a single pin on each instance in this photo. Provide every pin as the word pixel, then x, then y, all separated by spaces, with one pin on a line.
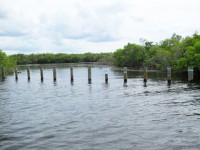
pixel 78 26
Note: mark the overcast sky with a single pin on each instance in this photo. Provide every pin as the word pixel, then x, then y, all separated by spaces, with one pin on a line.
pixel 78 26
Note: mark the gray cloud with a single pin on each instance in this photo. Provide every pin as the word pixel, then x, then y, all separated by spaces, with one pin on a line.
pixel 79 26
pixel 11 30
pixel 3 14
pixel 11 33
pixel 102 38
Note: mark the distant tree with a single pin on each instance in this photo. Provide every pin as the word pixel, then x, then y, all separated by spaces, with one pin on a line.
pixel 6 62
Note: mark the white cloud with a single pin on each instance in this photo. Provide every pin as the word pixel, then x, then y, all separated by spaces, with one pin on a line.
pixel 91 25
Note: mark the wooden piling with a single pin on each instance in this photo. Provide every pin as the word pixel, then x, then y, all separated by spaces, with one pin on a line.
pixel 89 75
pixel 3 73
pixel 169 76
pixel 190 73
pixel 72 74
pixel 41 74
pixel 54 73
pixel 16 74
pixel 106 78
pixel 125 75
pixel 145 76
pixel 28 73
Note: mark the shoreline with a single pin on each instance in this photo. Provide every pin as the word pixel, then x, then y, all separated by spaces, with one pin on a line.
pixel 87 64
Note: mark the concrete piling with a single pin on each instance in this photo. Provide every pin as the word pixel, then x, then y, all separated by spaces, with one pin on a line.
pixel 190 73
pixel 106 78
pixel 72 74
pixel 16 74
pixel 145 76
pixel 54 73
pixel 41 74
pixel 89 75
pixel 125 75
pixel 28 73
pixel 169 76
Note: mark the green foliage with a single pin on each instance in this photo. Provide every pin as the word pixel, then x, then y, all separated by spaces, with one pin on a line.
pixel 131 55
pixel 62 58
pixel 177 52
pixel 6 62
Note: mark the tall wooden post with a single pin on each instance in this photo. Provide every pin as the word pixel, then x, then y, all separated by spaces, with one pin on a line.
pixel 190 73
pixel 125 75
pixel 54 73
pixel 72 74
pixel 28 73
pixel 169 76
pixel 89 75
pixel 16 74
pixel 41 74
pixel 145 76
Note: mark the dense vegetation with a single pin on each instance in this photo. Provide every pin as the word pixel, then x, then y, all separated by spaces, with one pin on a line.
pixel 6 62
pixel 177 52
pixel 62 58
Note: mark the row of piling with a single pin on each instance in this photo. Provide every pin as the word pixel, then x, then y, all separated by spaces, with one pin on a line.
pixel 190 75
pixel 54 75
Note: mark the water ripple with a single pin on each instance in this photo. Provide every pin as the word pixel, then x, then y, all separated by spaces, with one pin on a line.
pixel 60 115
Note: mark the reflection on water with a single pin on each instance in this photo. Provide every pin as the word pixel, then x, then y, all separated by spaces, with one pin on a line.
pixel 61 115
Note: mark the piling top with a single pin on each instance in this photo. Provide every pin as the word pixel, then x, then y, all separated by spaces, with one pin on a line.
pixel 125 69
pixel 168 68
pixel 169 71
pixel 190 68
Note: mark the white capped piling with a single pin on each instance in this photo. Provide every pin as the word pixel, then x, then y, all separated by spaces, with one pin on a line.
pixel 89 75
pixel 28 73
pixel 106 78
pixel 16 74
pixel 190 73
pixel 54 73
pixel 145 76
pixel 3 73
pixel 169 76
pixel 71 74
pixel 41 74
pixel 125 75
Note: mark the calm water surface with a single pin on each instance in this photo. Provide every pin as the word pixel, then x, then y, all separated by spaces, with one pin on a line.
pixel 59 115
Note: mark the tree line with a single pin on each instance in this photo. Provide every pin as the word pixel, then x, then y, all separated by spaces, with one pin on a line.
pixel 47 58
pixel 176 52
pixel 7 62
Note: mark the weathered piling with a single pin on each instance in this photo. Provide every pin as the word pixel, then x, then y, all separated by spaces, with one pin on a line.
pixel 106 78
pixel 3 73
pixel 145 76
pixel 125 75
pixel 89 75
pixel 54 73
pixel 190 73
pixel 41 74
pixel 169 76
pixel 71 74
pixel 16 74
pixel 28 73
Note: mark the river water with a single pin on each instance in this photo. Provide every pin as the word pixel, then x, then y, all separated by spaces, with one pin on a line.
pixel 81 116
